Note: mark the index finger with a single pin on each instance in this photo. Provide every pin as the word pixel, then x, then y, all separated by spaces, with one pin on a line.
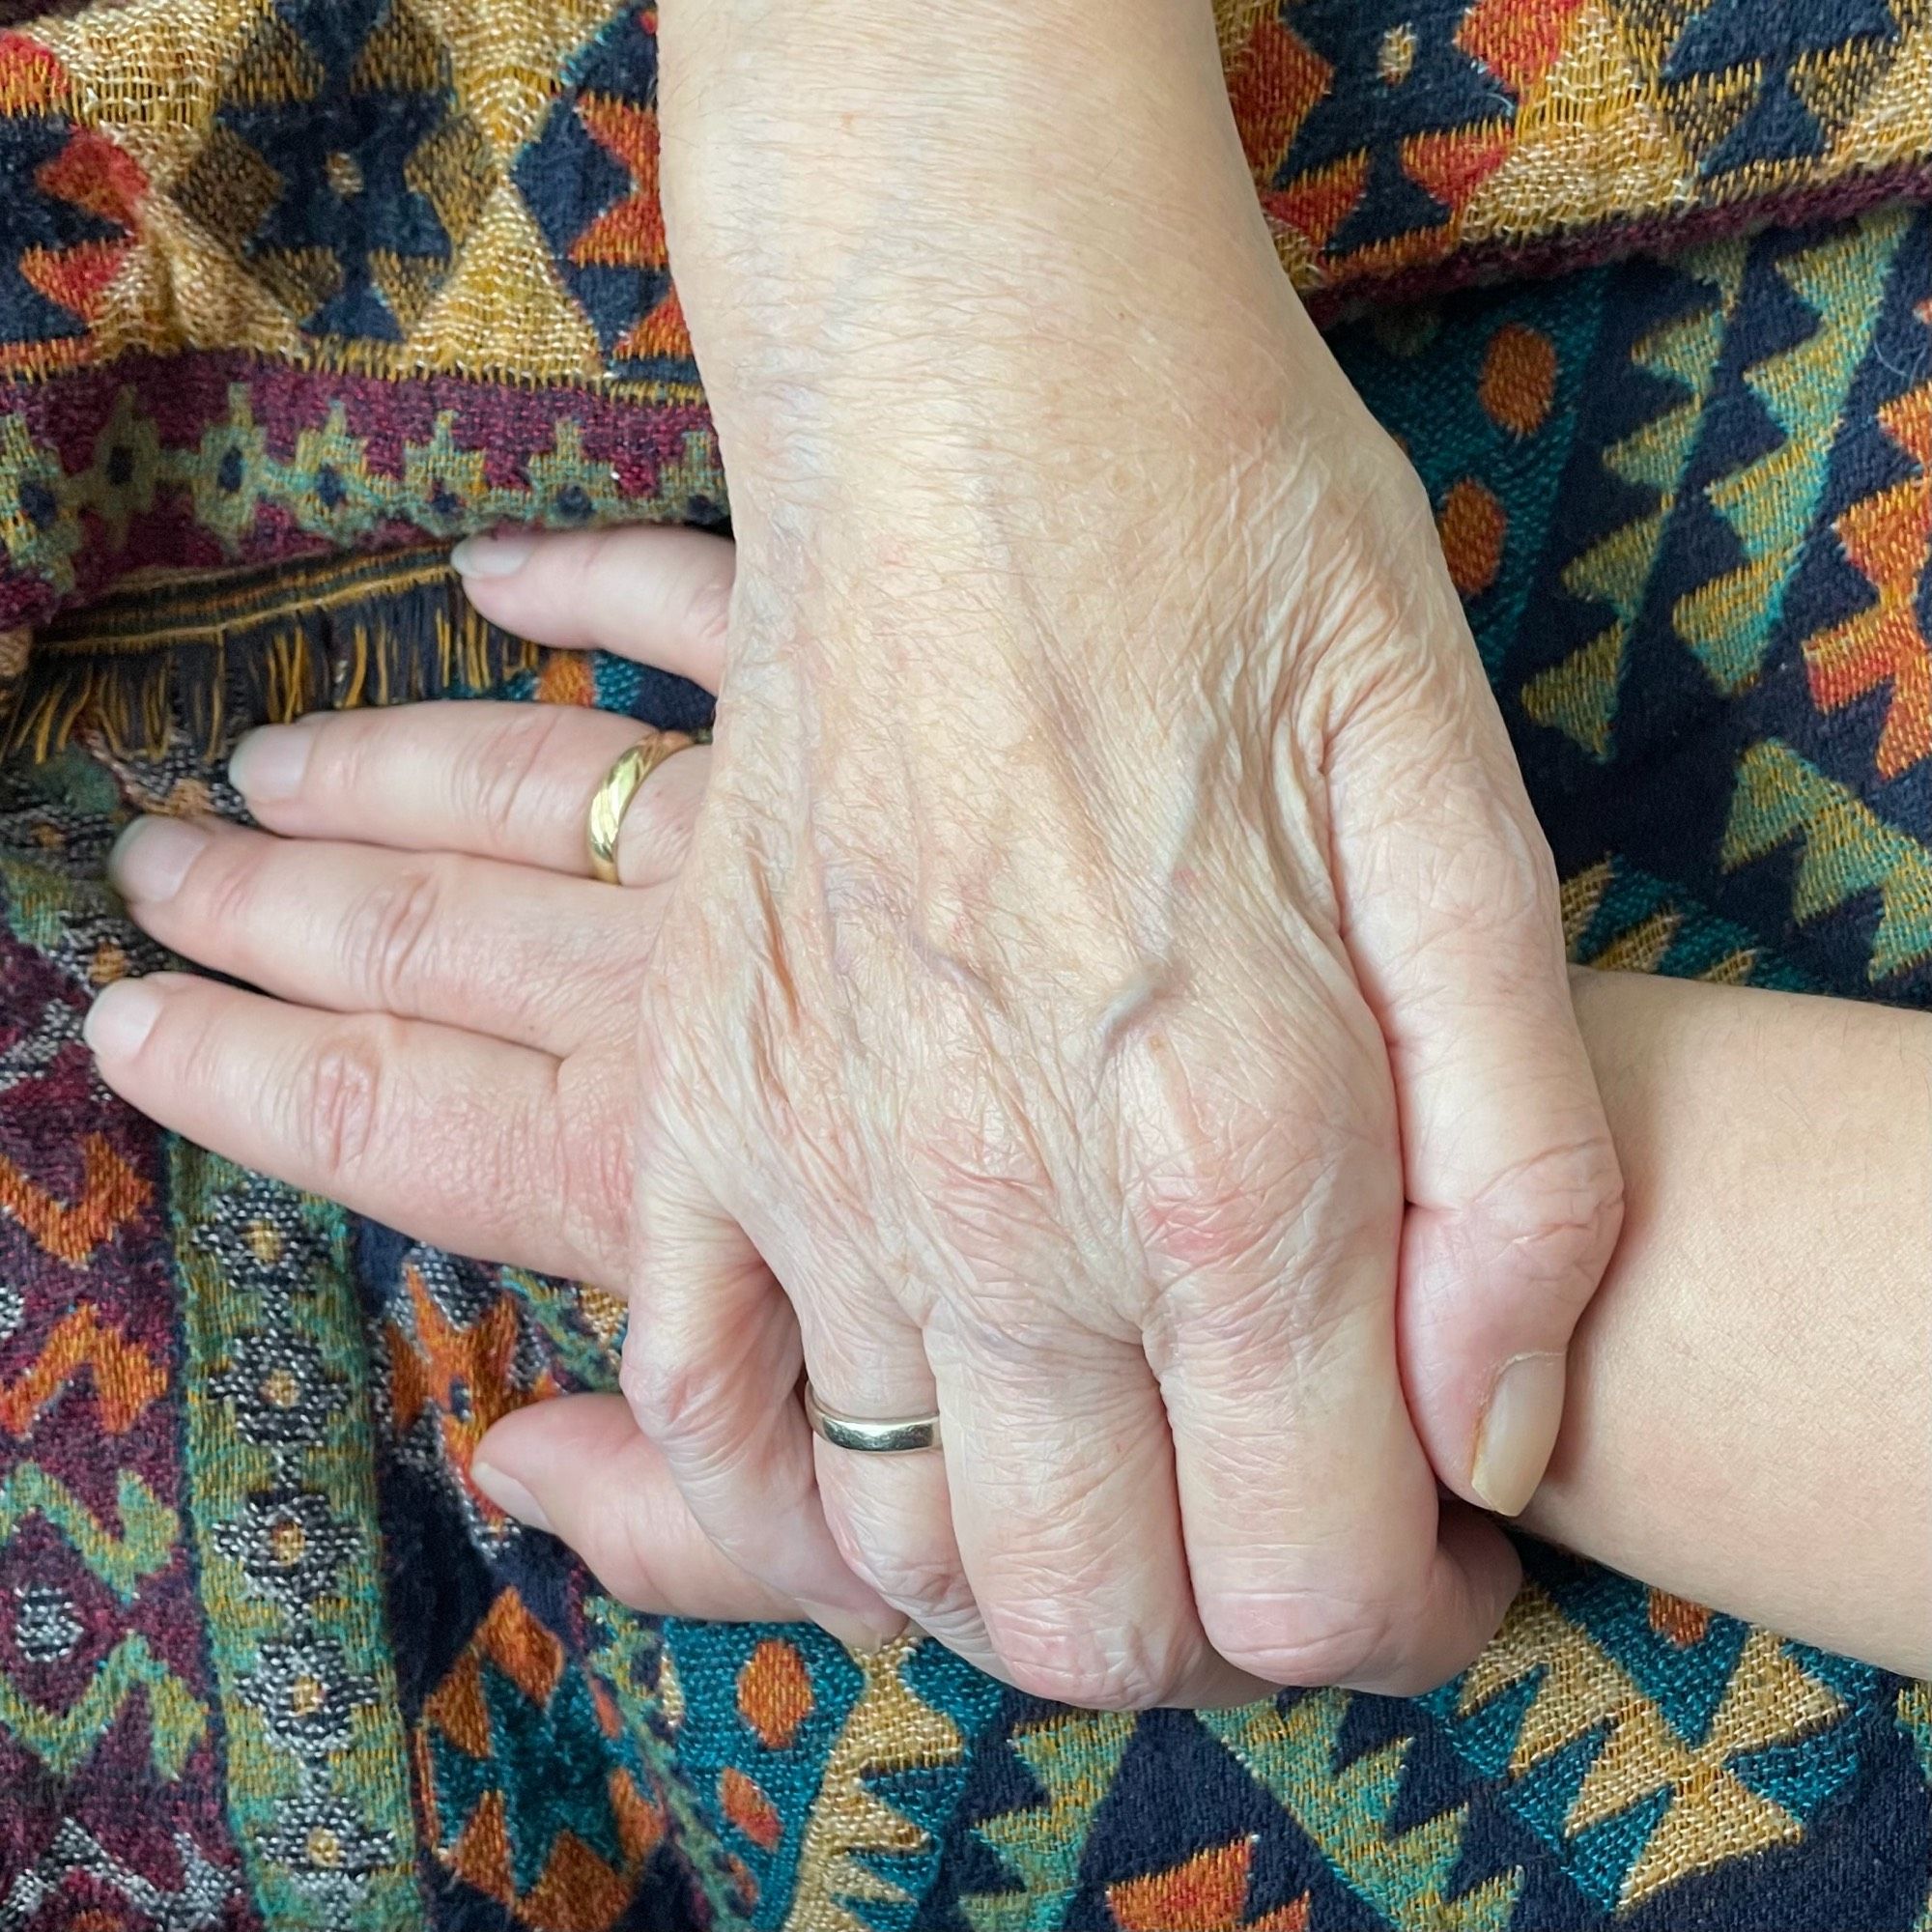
pixel 657 595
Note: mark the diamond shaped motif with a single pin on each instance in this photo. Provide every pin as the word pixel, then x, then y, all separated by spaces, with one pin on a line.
pixel 340 168
pixel 591 180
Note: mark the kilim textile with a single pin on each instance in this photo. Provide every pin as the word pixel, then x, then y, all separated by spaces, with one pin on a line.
pixel 293 291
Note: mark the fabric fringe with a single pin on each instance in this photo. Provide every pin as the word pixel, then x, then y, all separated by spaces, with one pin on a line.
pixel 212 657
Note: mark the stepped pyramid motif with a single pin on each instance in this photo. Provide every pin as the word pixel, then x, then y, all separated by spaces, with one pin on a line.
pixel 1073 1759
pixel 1769 503
pixel 1579 696
pixel 1887 536
pixel 873 1844
pixel 1406 1876
pixel 1847 850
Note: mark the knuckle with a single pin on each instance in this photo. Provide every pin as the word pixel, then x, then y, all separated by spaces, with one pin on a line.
pixel 1199 1209
pixel 225 884
pixel 596 1174
pixel 1301 1640
pixel 1257 1240
pixel 971 1166
pixel 926 1584
pixel 1053 1650
pixel 338 1098
pixel 1551 1221
pixel 493 788
pixel 707 613
pixel 388 932
pixel 678 1399
pixel 1232 1161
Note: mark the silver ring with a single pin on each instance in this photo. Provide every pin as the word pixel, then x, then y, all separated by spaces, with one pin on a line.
pixel 872 1438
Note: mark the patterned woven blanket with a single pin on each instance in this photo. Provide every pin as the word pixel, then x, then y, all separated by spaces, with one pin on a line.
pixel 293 291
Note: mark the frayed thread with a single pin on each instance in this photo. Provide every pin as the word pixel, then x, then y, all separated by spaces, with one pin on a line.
pixel 214 657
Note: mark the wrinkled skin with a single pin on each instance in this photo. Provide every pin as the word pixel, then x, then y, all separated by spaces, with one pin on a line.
pixel 1115 950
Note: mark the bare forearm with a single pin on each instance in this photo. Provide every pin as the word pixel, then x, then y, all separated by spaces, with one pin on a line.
pixel 1749 1421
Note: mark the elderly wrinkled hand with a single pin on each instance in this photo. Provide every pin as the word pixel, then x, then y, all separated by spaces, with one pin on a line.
pixel 1107 948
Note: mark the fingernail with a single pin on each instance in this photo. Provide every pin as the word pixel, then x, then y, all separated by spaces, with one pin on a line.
pixel 151 858
pixel 494 553
pixel 269 763
pixel 853 1630
pixel 121 1016
pixel 509 1495
pixel 1518 1431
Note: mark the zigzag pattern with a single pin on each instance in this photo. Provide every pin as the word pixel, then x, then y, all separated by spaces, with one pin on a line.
pixel 197 1903
pixel 126 1378
pixel 149 1528
pixel 1406 1876
pixel 1769 504
pixel 1579 696
pixel 1847 850
pixel 857 1843
pixel 1073 1758
pixel 62 1740
pixel 1208 1893
pixel 1620 920
pixel 1887 536
pixel 111 1194
pixel 1603 1775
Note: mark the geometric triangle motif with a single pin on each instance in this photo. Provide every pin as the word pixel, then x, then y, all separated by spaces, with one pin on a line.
pixel 1574 168
pixel 590 179
pixel 1205 1893
pixel 1401 121
pixel 1768 502
pixel 520 1798
pixel 73 196
pixel 889 1786
pixel 1620 920
pixel 1578 695
pixel 1888 537
pixel 340 170
pixel 1409 1876
pixel 1845 851
pixel 1633 1798
pixel 1782 95
pixel 1073 1758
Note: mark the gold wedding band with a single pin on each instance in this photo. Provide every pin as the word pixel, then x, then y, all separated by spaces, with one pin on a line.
pixel 612 798
pixel 872 1438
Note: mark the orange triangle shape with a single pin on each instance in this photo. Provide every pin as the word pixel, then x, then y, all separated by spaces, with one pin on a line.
pixel 1518 41
pixel 640 1822
pixel 75 278
pixel 577 1893
pixel 521 1647
pixel 482 1854
pixel 1453 166
pixel 1318 204
pixel 95 174
pixel 457 1708
pixel 661 333
pixel 1273 85
pixel 1204 1893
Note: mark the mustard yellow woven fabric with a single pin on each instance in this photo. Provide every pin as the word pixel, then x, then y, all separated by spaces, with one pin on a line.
pixel 292 292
